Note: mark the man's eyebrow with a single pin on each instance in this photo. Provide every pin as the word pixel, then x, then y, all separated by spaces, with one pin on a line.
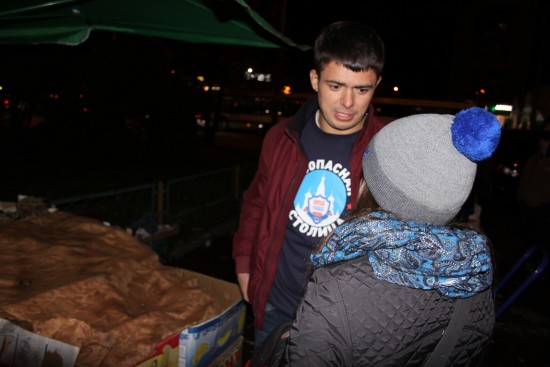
pixel 334 82
pixel 361 86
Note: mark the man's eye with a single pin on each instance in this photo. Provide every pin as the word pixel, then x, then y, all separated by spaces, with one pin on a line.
pixel 335 87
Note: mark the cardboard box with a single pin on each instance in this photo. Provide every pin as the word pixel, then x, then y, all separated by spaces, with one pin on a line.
pixel 215 342
pixel 20 347
pixel 139 303
pixel 232 356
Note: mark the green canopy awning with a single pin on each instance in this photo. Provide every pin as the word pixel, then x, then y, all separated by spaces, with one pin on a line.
pixel 69 22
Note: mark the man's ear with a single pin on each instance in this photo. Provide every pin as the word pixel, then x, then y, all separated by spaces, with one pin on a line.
pixel 314 79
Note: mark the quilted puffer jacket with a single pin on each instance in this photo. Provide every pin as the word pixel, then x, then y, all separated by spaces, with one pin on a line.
pixel 350 318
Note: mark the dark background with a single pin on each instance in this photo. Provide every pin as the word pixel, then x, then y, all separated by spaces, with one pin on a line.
pixel 435 49
pixel 117 110
pixel 441 49
pixel 118 99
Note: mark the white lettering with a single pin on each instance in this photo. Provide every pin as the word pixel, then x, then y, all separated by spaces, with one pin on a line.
pixel 343 174
pixel 309 230
pixel 296 218
pixel 312 232
pixel 347 182
pixel 337 168
pixel 320 164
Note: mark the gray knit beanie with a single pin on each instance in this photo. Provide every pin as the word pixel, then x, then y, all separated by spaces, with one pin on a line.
pixel 422 167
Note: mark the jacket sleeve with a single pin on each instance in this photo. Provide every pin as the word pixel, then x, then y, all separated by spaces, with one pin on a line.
pixel 320 334
pixel 254 199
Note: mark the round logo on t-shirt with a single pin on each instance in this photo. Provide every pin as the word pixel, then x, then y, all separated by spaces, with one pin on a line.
pixel 321 199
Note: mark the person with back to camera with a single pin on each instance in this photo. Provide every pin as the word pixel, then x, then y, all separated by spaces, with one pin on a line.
pixel 398 284
pixel 308 175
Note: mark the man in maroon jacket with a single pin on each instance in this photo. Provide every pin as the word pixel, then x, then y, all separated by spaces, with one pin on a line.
pixel 308 175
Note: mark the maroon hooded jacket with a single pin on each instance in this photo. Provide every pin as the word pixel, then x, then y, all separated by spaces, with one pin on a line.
pixel 268 200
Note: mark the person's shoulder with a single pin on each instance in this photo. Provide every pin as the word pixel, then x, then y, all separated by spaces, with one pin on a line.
pixel 283 123
pixel 372 126
pixel 375 123
pixel 278 129
pixel 341 271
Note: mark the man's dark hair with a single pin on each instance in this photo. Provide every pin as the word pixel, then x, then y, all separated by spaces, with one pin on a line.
pixel 353 44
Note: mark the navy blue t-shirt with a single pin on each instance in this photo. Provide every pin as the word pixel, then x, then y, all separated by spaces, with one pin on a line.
pixel 322 201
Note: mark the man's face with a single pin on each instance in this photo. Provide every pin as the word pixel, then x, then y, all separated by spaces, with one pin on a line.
pixel 344 97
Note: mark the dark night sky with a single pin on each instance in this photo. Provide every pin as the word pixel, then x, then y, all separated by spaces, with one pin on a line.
pixel 423 55
pixel 417 38
pixel 428 43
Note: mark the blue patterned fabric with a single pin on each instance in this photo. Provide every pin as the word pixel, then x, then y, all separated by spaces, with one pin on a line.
pixel 455 262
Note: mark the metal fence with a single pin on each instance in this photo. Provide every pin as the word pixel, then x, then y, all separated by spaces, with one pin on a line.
pixel 198 201
pixel 202 200
pixel 118 207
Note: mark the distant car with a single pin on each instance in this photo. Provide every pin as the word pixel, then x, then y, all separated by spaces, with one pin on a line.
pixel 250 112
pixel 388 109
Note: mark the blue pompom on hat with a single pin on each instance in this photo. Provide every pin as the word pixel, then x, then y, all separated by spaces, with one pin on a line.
pixel 422 167
pixel 476 133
